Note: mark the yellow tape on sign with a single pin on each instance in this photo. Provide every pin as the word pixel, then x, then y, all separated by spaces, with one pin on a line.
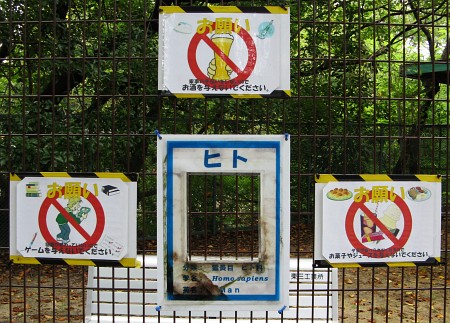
pixel 352 265
pixel 277 9
pixel 121 176
pixel 24 260
pixel 79 262
pixel 14 177
pixel 125 262
pixel 401 264
pixel 429 178
pixel 190 96
pixel 246 96
pixel 325 178
pixel 376 177
pixel 171 9
pixel 225 9
pixel 55 174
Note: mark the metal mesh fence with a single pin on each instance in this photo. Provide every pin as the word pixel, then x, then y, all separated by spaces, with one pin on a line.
pixel 369 94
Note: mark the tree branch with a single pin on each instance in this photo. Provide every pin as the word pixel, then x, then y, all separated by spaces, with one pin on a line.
pixel 4 51
pixel 424 29
pixel 408 161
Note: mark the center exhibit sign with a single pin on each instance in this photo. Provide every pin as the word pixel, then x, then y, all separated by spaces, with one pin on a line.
pixel 224 51
pixel 223 282
pixel 377 220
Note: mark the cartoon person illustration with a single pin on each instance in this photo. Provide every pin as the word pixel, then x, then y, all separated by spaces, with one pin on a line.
pixel 77 212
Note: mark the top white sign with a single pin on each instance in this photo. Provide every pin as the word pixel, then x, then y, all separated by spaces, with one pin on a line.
pixel 216 51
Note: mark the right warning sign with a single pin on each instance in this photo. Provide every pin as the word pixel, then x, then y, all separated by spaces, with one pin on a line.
pixel 377 220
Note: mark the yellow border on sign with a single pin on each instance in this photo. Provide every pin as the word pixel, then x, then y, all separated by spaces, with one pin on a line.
pixel 345 265
pixel 171 9
pixel 121 176
pixel 281 10
pixel 325 178
pixel 125 262
pixel 14 177
pixel 55 174
pixel 376 177
pixel 24 260
pixel 401 264
pixel 277 9
pixel 79 262
pixel 246 96
pixel 189 96
pixel 429 178
pixel 225 9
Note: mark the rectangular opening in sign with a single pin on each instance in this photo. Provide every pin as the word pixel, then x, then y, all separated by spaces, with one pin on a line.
pixel 223 217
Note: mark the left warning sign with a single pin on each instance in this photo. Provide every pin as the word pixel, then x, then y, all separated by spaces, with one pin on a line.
pixel 69 217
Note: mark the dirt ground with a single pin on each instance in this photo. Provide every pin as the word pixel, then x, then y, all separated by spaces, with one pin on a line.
pixel 46 293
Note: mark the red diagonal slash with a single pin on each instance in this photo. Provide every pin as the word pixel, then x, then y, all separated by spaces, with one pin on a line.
pixel 398 243
pixel 72 221
pixel 219 52
pixel 380 224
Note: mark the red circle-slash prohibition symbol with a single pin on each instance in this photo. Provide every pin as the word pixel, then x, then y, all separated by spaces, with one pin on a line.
pixel 242 75
pixel 91 239
pixel 398 243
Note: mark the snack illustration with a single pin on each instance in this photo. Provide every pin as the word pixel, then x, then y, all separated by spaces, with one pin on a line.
pixel 390 218
pixel 369 229
pixel 367 225
pixel 376 236
pixel 419 194
pixel 339 194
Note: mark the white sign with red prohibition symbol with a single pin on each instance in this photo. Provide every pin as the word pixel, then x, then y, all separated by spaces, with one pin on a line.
pixel 378 222
pixel 72 218
pixel 223 52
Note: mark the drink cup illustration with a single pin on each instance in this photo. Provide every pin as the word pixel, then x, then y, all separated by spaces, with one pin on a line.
pixel 224 42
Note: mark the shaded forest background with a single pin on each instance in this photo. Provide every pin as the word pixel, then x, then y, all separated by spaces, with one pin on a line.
pixel 78 93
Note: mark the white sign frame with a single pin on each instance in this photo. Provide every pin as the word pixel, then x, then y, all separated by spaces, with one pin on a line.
pixel 258 51
pixel 98 226
pixel 388 227
pixel 268 156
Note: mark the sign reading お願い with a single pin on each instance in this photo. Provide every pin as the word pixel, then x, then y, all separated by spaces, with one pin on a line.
pixel 385 220
pixel 89 219
pixel 224 51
